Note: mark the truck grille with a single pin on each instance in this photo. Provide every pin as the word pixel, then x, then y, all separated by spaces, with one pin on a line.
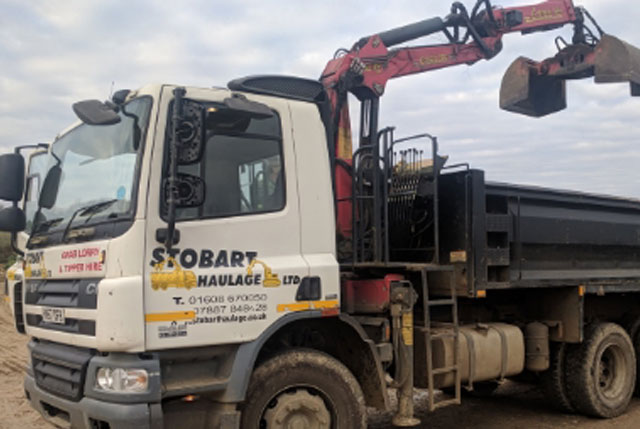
pixel 78 293
pixel 74 293
pixel 60 369
pixel 71 325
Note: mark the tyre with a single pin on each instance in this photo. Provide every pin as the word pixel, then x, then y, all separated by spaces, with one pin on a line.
pixel 633 329
pixel 303 388
pixel 553 380
pixel 601 372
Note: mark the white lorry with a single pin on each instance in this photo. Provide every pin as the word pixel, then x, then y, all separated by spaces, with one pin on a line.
pixel 205 258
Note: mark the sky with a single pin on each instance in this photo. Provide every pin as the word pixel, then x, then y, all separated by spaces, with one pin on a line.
pixel 56 52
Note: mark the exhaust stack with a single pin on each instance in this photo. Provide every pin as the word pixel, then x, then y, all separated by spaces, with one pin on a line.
pixel 539 88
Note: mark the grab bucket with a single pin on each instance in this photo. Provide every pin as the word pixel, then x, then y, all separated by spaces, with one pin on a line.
pixel 617 61
pixel 524 91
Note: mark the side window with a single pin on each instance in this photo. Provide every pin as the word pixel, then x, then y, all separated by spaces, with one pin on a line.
pixel 242 171
pixel 32 190
pixel 261 184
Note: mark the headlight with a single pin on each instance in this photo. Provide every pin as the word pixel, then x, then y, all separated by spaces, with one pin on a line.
pixel 120 380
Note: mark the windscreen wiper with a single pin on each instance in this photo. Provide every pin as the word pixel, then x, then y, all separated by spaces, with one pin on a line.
pixel 46 224
pixel 87 210
pixel 42 227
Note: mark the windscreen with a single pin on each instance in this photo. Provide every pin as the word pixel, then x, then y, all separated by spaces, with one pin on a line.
pixel 99 171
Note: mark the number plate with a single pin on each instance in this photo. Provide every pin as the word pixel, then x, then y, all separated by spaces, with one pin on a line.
pixel 53 315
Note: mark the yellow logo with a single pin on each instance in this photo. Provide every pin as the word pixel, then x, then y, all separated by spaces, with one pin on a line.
pixel 11 275
pixel 177 278
pixel 538 15
pixel 28 272
pixel 376 68
pixel 270 279
pixel 433 60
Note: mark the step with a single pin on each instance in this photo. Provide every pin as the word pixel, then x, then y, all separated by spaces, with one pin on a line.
pixel 438 302
pixel 444 370
pixel 445 403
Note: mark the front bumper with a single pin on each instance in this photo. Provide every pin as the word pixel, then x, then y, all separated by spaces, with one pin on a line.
pixel 90 413
pixel 61 384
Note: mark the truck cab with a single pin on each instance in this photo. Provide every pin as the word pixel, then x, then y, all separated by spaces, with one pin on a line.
pixel 253 249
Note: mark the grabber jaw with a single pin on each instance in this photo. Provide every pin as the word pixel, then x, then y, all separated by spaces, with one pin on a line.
pixel 526 91
pixel 617 61
pixel 538 88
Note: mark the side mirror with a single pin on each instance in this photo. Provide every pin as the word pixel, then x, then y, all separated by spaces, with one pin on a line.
pixel 49 191
pixel 95 112
pixel 12 219
pixel 190 191
pixel 11 177
pixel 524 91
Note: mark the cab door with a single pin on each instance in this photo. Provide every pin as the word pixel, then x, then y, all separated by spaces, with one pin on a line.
pixel 237 265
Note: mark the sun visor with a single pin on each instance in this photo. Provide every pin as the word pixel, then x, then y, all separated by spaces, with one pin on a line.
pixel 524 91
pixel 617 61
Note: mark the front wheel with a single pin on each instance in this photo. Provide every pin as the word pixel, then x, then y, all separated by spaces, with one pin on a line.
pixel 303 388
pixel 601 372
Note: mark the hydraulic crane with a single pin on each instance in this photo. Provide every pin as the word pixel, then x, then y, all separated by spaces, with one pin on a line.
pixel 529 87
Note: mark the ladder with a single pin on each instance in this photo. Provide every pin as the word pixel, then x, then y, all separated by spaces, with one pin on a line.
pixel 451 331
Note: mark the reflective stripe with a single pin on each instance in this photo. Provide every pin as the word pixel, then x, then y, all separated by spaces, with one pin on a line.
pixel 307 305
pixel 170 316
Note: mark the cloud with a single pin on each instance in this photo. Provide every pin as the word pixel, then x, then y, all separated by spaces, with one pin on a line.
pixel 56 52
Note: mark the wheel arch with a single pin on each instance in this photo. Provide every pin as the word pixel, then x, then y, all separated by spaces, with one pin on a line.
pixel 341 337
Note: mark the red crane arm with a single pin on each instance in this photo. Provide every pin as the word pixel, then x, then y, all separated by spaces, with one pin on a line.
pixel 376 64
pixel 365 69
pixel 540 17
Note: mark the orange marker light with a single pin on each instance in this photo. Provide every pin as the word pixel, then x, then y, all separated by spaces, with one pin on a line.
pixel 190 398
pixel 328 312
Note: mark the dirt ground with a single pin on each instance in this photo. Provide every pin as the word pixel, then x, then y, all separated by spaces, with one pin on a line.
pixel 512 406
pixel 15 411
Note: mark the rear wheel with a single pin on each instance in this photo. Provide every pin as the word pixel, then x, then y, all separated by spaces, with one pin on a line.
pixel 633 329
pixel 303 389
pixel 553 380
pixel 601 372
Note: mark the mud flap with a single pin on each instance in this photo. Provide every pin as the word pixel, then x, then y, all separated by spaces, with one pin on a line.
pixel 617 61
pixel 525 91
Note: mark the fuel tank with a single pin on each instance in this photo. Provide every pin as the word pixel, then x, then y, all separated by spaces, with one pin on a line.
pixel 487 352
